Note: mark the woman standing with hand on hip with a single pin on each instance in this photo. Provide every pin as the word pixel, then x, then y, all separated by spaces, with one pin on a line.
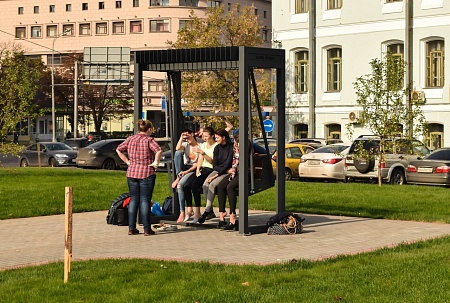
pixel 143 158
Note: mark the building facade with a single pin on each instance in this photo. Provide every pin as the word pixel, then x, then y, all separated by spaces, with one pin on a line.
pixel 328 47
pixel 52 29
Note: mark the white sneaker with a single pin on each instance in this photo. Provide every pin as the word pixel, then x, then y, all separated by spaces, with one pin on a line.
pixel 186 218
pixel 195 220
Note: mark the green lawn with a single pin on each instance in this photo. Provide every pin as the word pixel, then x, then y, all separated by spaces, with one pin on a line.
pixel 416 272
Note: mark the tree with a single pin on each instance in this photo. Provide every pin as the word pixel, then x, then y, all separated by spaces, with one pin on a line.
pixel 219 90
pixel 19 77
pixel 382 96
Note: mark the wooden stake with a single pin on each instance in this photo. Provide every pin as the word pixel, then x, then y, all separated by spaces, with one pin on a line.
pixel 68 232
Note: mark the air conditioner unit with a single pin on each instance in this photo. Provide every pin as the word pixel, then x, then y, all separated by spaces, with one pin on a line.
pixel 418 96
pixel 353 116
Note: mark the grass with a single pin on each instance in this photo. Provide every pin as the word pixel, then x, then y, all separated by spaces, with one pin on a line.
pixel 408 273
pixel 30 192
pixel 415 272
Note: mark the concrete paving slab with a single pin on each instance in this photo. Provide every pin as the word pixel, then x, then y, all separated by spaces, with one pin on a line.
pixel 40 240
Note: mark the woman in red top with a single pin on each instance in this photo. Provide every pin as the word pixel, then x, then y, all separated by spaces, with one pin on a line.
pixel 143 158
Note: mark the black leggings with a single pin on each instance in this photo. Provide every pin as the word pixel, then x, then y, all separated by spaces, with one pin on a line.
pixel 193 186
pixel 228 188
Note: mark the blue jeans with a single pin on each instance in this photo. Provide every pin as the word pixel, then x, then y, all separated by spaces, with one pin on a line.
pixel 141 191
pixel 180 190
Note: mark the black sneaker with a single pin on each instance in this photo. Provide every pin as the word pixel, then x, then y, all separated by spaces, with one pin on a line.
pixel 222 224
pixel 210 215
pixel 202 218
pixel 232 227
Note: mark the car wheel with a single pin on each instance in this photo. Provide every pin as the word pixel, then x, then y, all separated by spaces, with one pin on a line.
pixel 53 162
pixel 23 163
pixel 109 164
pixel 364 165
pixel 398 177
pixel 287 174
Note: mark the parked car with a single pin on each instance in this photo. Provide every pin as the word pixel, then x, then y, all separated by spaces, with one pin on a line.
pixel 293 154
pixel 321 141
pixel 101 154
pixel 398 152
pixel 259 142
pixel 434 169
pixel 50 154
pixel 76 143
pixel 324 163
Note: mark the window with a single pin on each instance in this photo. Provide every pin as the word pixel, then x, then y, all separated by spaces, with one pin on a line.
pixel 36 9
pixel 68 29
pixel 301 6
pixel 229 7
pixel 435 138
pixel 56 59
pixel 301 72
pixel 21 32
pixel 397 51
pixel 189 3
pixel 68 7
pixel 118 4
pixel 212 3
pixel 155 86
pixel 101 28
pixel 84 6
pixel 333 131
pixel 52 30
pixel 135 3
pixel 159 26
pixel 159 2
pixel 36 31
pixel 264 35
pixel 118 27
pixel 334 70
pixel 85 29
pixel 101 5
pixel 20 10
pixel 51 8
pixel 256 12
pixel 183 24
pixel 300 131
pixel 265 14
pixel 136 26
pixel 435 63
pixel 334 4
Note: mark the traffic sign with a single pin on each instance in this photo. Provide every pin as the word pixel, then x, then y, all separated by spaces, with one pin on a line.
pixel 268 125
pixel 163 103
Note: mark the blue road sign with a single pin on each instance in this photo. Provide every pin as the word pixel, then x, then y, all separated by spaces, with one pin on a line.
pixel 268 125
pixel 163 103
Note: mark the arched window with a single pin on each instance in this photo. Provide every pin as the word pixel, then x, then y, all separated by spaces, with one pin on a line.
pixel 301 71
pixel 334 69
pixel 333 131
pixel 435 138
pixel 300 131
pixel 435 63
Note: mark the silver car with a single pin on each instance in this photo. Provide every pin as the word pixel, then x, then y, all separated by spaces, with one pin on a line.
pixel 48 154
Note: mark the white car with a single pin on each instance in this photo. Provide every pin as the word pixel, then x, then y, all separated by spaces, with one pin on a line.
pixel 324 163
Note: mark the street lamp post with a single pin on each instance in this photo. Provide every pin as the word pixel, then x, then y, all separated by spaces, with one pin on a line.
pixel 53 86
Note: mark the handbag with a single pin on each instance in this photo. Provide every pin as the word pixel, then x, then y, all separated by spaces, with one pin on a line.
pixel 286 223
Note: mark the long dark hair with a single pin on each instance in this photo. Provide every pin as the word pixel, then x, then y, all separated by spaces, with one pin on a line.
pixel 223 133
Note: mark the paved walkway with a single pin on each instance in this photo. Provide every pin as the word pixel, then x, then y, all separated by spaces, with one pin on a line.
pixel 41 240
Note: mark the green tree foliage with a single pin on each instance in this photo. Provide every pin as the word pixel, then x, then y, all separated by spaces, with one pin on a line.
pixel 19 77
pixel 385 111
pixel 219 90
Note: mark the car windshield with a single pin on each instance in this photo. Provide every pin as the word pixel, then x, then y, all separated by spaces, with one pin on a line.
pixel 330 149
pixel 58 146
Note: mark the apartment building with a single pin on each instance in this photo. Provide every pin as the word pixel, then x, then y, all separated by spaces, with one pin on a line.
pixel 58 28
pixel 348 34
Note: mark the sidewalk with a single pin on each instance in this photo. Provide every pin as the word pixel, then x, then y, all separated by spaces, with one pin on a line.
pixel 41 240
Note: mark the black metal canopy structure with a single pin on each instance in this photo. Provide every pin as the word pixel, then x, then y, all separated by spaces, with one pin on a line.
pixel 245 60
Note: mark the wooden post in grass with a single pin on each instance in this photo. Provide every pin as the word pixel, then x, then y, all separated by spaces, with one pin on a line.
pixel 68 233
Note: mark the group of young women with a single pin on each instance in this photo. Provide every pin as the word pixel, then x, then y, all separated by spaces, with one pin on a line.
pixel 209 166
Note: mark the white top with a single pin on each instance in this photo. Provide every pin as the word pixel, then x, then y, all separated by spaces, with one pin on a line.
pixel 209 151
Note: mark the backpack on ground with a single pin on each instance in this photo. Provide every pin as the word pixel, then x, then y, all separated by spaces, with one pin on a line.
pixel 167 205
pixel 117 213
pixel 286 223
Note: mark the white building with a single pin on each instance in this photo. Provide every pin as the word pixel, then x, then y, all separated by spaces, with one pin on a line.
pixel 348 35
pixel 138 24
